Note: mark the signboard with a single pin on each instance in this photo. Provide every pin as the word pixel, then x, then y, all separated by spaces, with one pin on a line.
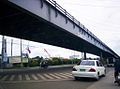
pixel 25 60
pixel 17 59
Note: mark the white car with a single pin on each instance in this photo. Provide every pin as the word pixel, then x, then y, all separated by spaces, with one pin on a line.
pixel 89 68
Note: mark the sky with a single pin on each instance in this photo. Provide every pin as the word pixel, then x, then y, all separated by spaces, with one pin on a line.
pixel 37 49
pixel 101 17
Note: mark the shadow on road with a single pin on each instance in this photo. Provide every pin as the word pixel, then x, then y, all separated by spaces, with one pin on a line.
pixel 87 79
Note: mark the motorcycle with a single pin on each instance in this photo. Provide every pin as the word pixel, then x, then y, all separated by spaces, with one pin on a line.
pixel 44 64
pixel 118 81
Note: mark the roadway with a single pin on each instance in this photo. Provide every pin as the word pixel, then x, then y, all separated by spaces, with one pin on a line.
pixel 57 78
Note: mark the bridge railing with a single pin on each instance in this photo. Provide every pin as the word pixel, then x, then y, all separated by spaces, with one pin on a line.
pixel 69 16
pixel 63 11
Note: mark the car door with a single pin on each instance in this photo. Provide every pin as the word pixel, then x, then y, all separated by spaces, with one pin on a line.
pixel 102 68
pixel 99 68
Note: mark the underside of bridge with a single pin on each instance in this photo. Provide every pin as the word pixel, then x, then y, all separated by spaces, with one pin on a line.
pixel 19 23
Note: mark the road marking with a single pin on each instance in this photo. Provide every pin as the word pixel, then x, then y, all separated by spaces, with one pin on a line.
pixel 34 77
pixel 42 77
pixel 4 78
pixel 57 77
pixel 27 77
pixel 12 78
pixel 48 76
pixel 37 76
pixel 20 77
pixel 67 75
pixel 61 76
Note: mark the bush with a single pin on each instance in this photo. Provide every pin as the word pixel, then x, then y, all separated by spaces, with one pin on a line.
pixel 60 61
pixel 49 62
pixel 33 63
pixel 25 64
pixel 75 61
pixel 56 61
pixel 67 61
pixel 17 65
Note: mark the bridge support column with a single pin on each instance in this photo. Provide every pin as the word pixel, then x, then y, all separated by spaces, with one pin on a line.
pixel 107 61
pixel 101 56
pixel 84 55
pixel 102 59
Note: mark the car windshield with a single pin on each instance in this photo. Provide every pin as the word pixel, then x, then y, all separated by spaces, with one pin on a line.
pixel 89 63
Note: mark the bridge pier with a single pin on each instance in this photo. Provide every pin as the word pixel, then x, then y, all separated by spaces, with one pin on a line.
pixel 101 56
pixel 84 55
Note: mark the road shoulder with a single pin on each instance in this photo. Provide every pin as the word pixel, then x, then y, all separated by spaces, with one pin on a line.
pixel 105 83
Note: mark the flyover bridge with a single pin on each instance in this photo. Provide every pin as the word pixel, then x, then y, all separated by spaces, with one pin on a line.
pixel 47 22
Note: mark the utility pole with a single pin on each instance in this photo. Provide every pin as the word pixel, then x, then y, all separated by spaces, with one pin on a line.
pixel 74 57
pixel 11 48
pixel 21 52
pixel 27 53
pixel 4 53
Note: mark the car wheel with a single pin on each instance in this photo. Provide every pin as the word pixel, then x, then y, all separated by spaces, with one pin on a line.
pixel 104 73
pixel 76 78
pixel 98 77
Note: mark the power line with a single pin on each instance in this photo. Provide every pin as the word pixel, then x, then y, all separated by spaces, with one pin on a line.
pixel 22 44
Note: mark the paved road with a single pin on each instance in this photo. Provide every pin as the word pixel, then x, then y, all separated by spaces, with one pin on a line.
pixel 37 75
pixel 43 79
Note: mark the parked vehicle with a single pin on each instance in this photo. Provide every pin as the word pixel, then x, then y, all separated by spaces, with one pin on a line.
pixel 110 62
pixel 89 68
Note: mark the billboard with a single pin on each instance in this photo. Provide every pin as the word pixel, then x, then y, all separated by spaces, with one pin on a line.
pixel 17 59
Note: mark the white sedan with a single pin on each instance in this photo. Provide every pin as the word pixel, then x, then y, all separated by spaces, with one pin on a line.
pixel 89 68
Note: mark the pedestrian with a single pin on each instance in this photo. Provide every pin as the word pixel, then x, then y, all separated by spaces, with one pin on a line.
pixel 116 69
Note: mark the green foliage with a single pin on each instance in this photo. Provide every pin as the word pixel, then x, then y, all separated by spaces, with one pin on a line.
pixel 50 62
pixel 33 62
pixel 75 61
pixel 16 65
pixel 67 61
pixel 60 61
pixel 54 61
pixel 25 64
